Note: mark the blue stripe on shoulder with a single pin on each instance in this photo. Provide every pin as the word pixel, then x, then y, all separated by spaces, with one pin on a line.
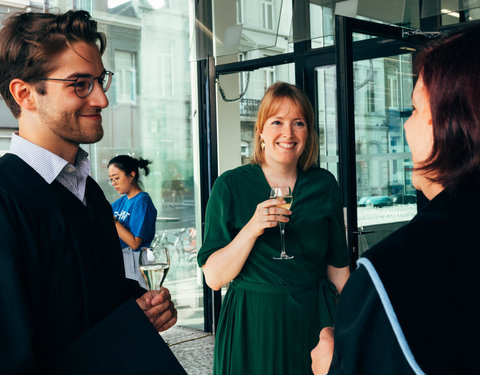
pixel 392 317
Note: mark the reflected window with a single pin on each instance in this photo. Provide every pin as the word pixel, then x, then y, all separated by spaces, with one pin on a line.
pixel 371 105
pixel 268 77
pixel 245 152
pixel 267 11
pixel 240 12
pixel 162 76
pixel 125 76
pixel 393 95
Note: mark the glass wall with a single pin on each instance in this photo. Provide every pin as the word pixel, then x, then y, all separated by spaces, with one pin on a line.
pixel 149 116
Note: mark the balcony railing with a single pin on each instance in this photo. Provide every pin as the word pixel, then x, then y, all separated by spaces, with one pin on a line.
pixel 249 107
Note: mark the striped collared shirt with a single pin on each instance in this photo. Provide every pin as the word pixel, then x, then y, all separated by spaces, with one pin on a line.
pixel 52 167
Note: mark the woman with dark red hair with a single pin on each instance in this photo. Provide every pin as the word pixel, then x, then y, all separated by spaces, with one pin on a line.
pixel 412 306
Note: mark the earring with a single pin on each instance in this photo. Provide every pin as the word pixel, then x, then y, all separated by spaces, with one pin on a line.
pixel 262 145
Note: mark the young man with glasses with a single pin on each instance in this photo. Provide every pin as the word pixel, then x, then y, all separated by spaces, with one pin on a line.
pixel 65 304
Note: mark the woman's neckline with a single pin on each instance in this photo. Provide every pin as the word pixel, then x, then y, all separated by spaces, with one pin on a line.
pixel 292 185
pixel 133 196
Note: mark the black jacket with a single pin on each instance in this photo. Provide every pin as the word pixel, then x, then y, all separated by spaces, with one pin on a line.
pixel 65 305
pixel 428 271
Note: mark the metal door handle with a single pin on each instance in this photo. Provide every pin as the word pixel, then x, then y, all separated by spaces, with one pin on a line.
pixel 363 232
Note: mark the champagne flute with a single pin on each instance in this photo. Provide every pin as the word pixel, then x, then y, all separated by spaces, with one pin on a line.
pixel 285 193
pixel 154 263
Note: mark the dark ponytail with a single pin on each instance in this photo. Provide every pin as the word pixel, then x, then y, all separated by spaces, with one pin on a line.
pixel 143 163
pixel 128 165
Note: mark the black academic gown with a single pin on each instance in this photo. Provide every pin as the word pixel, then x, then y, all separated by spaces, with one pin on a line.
pixel 65 305
pixel 428 271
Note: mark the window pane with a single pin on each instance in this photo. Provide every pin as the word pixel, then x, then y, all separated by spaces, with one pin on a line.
pixel 150 116
pixel 327 118
pixel 125 82
pixel 251 25
pixel 321 25
pixel 386 196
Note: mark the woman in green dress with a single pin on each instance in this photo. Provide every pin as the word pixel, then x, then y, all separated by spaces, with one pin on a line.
pixel 274 309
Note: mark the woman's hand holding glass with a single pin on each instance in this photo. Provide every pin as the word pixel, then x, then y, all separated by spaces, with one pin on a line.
pixel 268 214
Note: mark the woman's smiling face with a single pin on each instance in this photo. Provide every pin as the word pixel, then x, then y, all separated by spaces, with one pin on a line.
pixel 285 134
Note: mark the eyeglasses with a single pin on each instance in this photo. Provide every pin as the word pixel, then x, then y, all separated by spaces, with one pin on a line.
pixel 83 84
pixel 113 181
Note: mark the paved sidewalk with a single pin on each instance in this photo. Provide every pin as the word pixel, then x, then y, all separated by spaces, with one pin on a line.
pixel 193 349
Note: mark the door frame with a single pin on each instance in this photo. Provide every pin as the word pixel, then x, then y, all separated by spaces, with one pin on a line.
pixel 397 39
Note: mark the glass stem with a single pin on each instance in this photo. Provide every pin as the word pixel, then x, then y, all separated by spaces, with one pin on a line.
pixel 282 236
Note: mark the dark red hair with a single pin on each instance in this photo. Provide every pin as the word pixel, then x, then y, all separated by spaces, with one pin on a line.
pixel 450 69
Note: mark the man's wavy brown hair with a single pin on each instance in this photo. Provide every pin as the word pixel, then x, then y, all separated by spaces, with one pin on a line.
pixel 29 43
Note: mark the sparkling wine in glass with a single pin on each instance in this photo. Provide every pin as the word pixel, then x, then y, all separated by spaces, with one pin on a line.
pixel 285 193
pixel 154 263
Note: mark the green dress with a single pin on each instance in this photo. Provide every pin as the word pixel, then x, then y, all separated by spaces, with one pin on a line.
pixel 274 309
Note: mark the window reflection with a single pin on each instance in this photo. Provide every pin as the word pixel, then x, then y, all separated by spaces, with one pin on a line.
pixel 267 12
pixel 125 76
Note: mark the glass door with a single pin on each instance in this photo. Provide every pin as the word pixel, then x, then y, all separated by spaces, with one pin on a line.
pixel 374 86
pixel 386 199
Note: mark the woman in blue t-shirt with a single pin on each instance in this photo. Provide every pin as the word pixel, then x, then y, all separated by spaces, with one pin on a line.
pixel 134 212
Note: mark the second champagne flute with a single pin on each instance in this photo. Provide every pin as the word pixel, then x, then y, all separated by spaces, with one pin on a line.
pixel 154 263
pixel 285 193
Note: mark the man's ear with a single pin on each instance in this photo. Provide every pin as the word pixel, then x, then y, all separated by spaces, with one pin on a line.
pixel 23 93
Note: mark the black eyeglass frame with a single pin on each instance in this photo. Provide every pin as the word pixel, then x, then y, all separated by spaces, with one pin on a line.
pixel 106 74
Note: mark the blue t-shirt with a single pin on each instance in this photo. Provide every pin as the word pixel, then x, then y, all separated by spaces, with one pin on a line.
pixel 138 215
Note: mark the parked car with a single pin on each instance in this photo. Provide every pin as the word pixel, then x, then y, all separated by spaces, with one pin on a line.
pixel 405 199
pixel 375 201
